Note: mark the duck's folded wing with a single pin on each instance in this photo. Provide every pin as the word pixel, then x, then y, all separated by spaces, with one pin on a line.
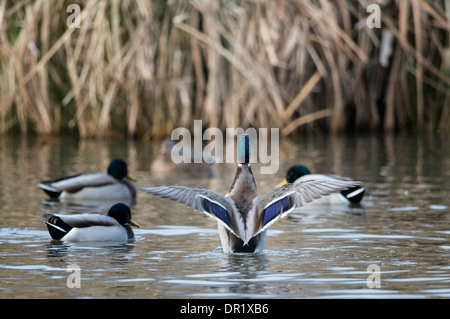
pixel 283 200
pixel 88 220
pixel 75 183
pixel 354 194
pixel 325 177
pixel 203 200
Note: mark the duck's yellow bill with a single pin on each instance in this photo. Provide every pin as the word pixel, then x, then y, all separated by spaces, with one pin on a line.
pixel 283 182
pixel 131 177
pixel 132 222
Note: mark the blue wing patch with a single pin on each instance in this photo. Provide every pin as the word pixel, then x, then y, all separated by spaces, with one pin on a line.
pixel 276 208
pixel 217 210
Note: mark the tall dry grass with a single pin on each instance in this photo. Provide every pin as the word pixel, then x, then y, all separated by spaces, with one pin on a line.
pixel 141 68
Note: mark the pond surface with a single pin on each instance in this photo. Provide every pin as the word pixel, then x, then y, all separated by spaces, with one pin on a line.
pixel 394 245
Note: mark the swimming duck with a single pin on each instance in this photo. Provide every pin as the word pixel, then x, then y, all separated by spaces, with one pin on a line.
pixel 301 173
pixel 113 185
pixel 164 165
pixel 93 227
pixel 243 217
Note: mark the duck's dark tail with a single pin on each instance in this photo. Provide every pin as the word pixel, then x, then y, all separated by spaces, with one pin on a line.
pixel 49 190
pixel 354 194
pixel 57 227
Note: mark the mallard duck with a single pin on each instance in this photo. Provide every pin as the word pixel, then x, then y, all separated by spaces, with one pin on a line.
pixel 113 185
pixel 93 227
pixel 243 217
pixel 164 165
pixel 298 173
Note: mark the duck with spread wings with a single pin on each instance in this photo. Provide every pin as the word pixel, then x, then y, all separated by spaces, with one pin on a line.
pixel 242 215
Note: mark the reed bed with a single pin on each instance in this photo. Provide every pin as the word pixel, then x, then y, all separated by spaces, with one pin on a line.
pixel 141 68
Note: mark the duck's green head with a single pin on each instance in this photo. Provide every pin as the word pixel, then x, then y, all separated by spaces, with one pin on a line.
pixel 122 214
pixel 118 169
pixel 294 173
pixel 243 149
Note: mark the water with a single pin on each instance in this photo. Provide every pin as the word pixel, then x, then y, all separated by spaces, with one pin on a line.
pixel 401 228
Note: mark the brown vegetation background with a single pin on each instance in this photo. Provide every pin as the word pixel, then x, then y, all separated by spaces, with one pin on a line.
pixel 140 68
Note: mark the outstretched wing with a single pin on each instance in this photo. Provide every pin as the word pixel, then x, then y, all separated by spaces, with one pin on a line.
pixel 281 201
pixel 203 200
